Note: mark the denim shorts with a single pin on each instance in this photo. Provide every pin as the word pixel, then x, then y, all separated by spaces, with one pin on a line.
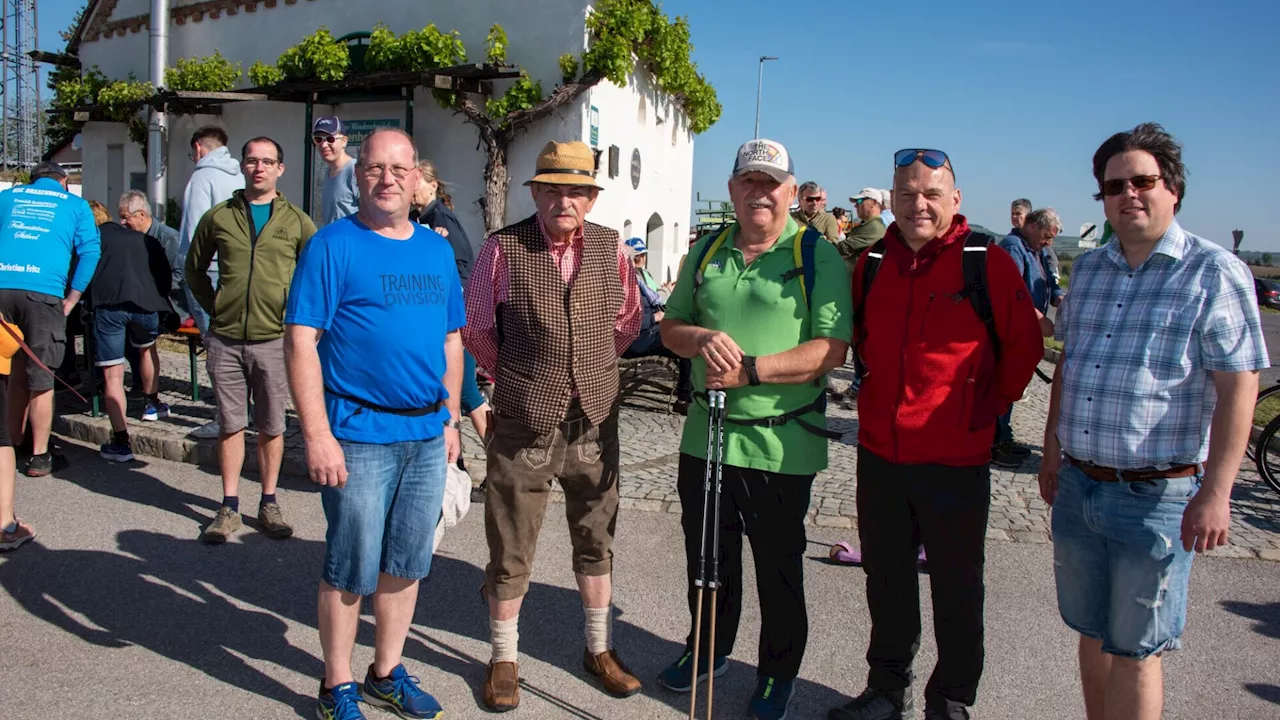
pixel 1117 554
pixel 114 324
pixel 471 398
pixel 383 520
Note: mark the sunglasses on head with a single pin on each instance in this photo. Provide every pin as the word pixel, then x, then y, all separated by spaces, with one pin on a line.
pixel 319 140
pixel 1140 183
pixel 932 158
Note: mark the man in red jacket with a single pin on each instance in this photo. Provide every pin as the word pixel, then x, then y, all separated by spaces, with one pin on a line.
pixel 933 387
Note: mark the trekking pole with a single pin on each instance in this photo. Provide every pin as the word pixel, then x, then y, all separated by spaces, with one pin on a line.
pixel 714 583
pixel 701 577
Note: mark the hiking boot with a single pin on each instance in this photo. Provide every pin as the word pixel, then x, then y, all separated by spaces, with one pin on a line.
pixel 678 676
pixel 14 540
pixel 340 703
pixel 877 705
pixel 399 693
pixel 223 527
pixel 39 465
pixel 118 450
pixel 949 711
pixel 607 667
pixel 770 699
pixel 271 522
pixel 155 411
pixel 1009 455
pixel 502 686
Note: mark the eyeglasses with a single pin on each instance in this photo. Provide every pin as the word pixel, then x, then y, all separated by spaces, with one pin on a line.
pixel 319 139
pixel 813 198
pixel 932 158
pixel 375 172
pixel 264 163
pixel 1140 183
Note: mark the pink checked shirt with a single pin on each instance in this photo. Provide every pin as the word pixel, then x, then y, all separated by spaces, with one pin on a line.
pixel 488 284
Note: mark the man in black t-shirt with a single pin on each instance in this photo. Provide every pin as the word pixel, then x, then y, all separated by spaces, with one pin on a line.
pixel 129 291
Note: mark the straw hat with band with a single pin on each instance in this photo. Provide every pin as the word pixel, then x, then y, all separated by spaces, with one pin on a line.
pixel 571 163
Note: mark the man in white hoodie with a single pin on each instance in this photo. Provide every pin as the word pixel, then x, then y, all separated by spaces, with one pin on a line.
pixel 216 177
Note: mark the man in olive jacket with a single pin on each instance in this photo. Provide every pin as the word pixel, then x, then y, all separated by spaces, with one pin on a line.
pixel 257 236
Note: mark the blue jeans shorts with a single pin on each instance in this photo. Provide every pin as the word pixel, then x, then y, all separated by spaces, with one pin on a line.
pixel 471 398
pixel 383 520
pixel 1117 554
pixel 114 324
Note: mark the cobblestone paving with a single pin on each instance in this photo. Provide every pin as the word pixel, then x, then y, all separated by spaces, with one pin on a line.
pixel 650 444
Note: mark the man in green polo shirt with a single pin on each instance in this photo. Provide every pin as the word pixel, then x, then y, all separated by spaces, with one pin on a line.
pixel 754 329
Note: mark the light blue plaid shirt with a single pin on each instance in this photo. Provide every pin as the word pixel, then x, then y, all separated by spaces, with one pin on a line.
pixel 1139 346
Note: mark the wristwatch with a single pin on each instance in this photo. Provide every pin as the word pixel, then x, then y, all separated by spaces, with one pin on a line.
pixel 454 423
pixel 749 362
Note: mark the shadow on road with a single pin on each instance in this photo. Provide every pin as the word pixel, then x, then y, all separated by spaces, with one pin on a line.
pixel 1266 616
pixel 208 607
pixel 1270 693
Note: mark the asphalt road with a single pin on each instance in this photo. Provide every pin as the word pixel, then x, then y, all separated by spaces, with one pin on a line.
pixel 117 611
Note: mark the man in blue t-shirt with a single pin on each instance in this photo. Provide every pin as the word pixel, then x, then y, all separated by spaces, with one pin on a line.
pixel 42 226
pixel 375 364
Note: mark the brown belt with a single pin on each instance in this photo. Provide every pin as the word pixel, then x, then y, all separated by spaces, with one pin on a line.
pixel 1106 474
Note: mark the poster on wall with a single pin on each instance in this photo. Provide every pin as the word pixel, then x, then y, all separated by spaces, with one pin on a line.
pixel 356 131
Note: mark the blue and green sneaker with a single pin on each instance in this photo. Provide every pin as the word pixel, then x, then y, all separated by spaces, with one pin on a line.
pixel 400 694
pixel 340 703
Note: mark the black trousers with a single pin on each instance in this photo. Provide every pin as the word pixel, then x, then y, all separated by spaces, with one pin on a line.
pixel 945 508
pixel 769 508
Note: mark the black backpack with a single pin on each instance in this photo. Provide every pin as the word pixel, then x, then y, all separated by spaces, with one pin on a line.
pixel 974 264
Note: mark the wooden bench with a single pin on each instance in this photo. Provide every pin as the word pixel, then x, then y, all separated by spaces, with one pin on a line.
pixel 648 381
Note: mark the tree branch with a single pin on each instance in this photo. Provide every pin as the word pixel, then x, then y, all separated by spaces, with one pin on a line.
pixel 562 96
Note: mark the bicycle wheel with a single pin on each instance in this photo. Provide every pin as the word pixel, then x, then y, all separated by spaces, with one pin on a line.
pixel 1249 450
pixel 1268 460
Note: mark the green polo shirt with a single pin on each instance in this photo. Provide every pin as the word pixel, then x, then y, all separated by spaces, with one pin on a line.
pixel 765 315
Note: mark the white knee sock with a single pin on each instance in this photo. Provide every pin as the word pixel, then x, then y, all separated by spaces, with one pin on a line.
pixel 599 629
pixel 505 637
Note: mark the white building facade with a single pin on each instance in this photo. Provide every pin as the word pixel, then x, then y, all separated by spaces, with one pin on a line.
pixel 648 196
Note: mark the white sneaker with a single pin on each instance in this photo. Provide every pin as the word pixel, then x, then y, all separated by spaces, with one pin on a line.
pixel 208 431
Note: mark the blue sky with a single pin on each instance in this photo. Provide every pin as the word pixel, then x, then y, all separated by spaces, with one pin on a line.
pixel 1020 94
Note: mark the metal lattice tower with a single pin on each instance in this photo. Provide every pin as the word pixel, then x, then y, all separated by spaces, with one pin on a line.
pixel 23 141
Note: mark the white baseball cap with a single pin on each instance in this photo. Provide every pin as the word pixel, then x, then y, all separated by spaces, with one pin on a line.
pixel 867 193
pixel 766 156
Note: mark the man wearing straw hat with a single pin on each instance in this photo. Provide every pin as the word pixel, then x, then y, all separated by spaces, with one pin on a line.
pixel 551 304
pixel 765 312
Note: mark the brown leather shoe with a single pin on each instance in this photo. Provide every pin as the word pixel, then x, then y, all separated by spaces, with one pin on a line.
pixel 502 686
pixel 613 675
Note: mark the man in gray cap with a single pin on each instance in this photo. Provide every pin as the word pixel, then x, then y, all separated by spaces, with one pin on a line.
pixel 340 195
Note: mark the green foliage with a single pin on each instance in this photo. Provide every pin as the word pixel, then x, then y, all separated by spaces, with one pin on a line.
pixel 1266 259
pixel 262 74
pixel 72 89
pixel 522 95
pixel 173 213
pixel 623 30
pixel 210 74
pixel 318 57
pixel 496 45
pixel 121 100
pixel 568 68
pixel 419 51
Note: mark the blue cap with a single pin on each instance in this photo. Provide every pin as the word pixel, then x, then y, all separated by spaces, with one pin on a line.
pixel 329 124
pixel 638 245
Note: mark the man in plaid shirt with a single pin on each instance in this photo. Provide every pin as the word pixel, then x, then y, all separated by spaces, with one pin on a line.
pixel 1161 344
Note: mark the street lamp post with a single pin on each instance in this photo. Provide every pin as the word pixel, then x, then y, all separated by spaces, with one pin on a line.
pixel 759 88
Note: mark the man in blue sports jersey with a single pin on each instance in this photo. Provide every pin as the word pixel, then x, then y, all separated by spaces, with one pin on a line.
pixel 41 226
pixel 375 364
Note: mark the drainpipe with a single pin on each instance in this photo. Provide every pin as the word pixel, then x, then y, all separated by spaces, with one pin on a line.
pixel 158 127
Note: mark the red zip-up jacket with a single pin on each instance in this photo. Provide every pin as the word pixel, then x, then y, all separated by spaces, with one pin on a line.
pixel 933 388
